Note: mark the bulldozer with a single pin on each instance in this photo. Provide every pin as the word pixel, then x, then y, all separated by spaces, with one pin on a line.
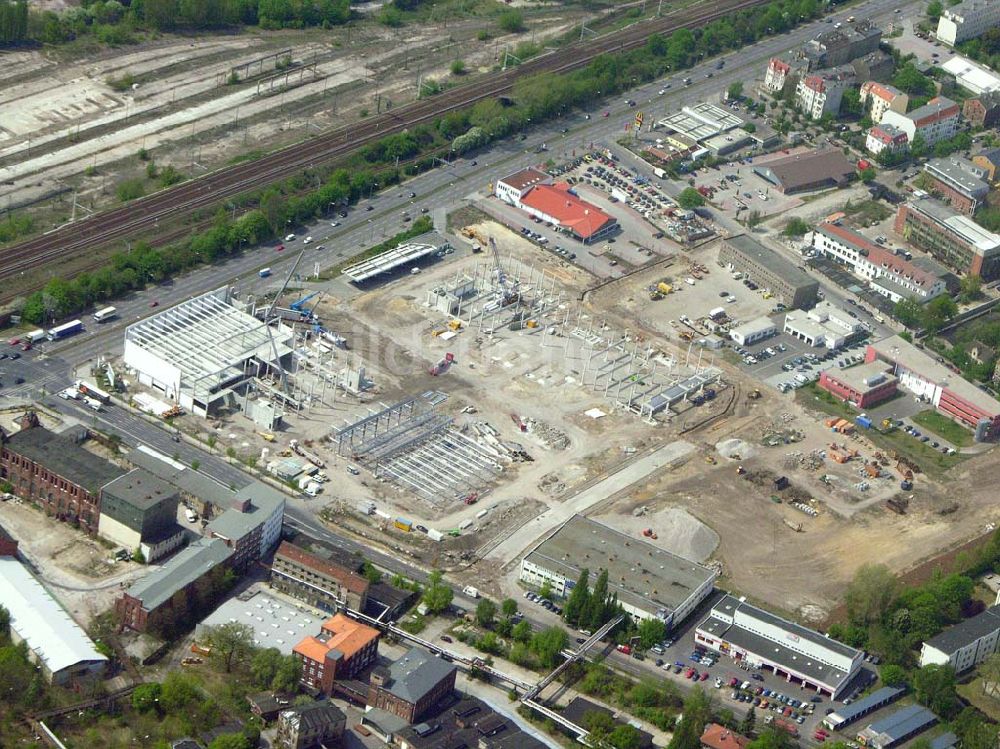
pixel 753 394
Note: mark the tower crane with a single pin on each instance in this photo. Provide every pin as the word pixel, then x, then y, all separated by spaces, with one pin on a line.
pixel 510 292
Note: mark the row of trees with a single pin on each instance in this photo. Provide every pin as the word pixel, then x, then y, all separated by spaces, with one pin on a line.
pixel 931 316
pixel 13 21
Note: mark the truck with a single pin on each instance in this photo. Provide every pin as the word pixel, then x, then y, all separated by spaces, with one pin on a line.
pixel 65 330
pixel 470 591
pixel 264 272
pixel 34 336
pixel 92 390
pixel 659 172
pixel 105 314
pixel 92 403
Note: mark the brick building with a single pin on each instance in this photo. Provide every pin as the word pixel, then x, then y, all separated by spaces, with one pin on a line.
pixel 959 181
pixel 719 737
pixel 952 238
pixel 319 582
pixel 982 110
pixel 863 387
pixel 412 685
pixel 55 471
pixel 342 650
pixel 314 725
pixel 8 544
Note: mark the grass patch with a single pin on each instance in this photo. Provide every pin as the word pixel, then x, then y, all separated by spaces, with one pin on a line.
pixel 422 225
pixel 944 427
pixel 972 692
pixel 867 212
pixel 248 156
pixel 932 462
pixel 414 624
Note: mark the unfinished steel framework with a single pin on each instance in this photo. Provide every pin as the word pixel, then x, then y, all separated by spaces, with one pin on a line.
pixel 421 450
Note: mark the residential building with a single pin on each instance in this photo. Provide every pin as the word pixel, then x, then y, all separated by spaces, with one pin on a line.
pixel 881 98
pixel 139 511
pixel 888 138
pixel 972 76
pixel 649 582
pixel 815 169
pixel 58 645
pixel 779 73
pixel 965 645
pixel 982 111
pixel 801 655
pixel 935 121
pixel 875 66
pixel 466 722
pixel 55 471
pixel 932 382
pixel 319 582
pixel 790 285
pixel 268 705
pixel 150 601
pixel 967 20
pixel 989 160
pixel 343 648
pixel 252 524
pixel 959 181
pixel 953 239
pixel 863 387
pixel 887 273
pixel 8 544
pixel 844 715
pixel 753 331
pixel 830 49
pixel 719 737
pixel 313 725
pixel 533 192
pixel 897 727
pixel 824 325
pixel 412 685
pixel 818 94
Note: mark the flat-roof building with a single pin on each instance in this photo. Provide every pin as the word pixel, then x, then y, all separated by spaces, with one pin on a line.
pixel 792 286
pixel 824 325
pixel 139 511
pixel 753 331
pixel 252 524
pixel 967 20
pixel 747 633
pixel 960 181
pixel 648 581
pixel 965 645
pixel 275 622
pixel 55 642
pixel 196 351
pixel 817 169
pixel 863 386
pixel 946 391
pixel 971 76
pixel 847 714
pixel 953 239
pixel 896 728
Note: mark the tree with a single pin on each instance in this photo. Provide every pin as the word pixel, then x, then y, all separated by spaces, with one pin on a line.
pixel 4 623
pixel 690 199
pixel 938 312
pixel 971 287
pixel 178 692
pixel 911 81
pixel 286 677
pixel 893 675
pixel 548 644
pixel 651 631
pixel 231 741
pixel 458 67
pixel 934 687
pixel 796 227
pixel 850 103
pixel 934 10
pixel 146 697
pixel 867 174
pixel 749 127
pixel 908 311
pixel 438 595
pixel 697 713
pixel 511 21
pixel 522 631
pixel 624 736
pixel 748 722
pixel 870 594
pixel 230 642
pixel 771 739
pixel 990 671
pixel 735 90
pixel 263 666
pixel 371 573
pixel 508 607
pixel 578 599
pixel 486 612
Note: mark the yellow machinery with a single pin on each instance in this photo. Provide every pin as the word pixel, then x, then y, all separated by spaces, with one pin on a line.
pixel 268 437
pixel 664 288
pixel 454 324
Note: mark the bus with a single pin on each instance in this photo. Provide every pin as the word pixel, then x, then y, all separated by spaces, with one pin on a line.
pixel 105 314
pixel 64 330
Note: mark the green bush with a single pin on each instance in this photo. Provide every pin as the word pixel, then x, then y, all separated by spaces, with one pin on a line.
pixel 512 21
pixel 130 189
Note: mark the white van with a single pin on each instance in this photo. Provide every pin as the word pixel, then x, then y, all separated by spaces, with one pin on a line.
pixel 192 516
pixel 290 237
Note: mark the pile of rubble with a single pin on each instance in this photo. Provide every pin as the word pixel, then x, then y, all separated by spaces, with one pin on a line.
pixel 551 485
pixel 548 434
pixel 488 437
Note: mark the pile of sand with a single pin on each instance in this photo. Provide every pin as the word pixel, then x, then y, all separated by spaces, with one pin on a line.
pixel 734 449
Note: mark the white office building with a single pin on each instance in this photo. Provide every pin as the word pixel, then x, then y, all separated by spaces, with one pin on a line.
pixel 965 645
pixel 801 655
pixel 749 333
pixel 824 325
pixel 967 20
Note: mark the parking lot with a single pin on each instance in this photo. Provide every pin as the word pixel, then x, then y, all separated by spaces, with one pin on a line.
pixel 780 360
pixel 736 187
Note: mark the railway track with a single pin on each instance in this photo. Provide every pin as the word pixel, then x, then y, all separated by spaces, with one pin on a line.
pixel 144 214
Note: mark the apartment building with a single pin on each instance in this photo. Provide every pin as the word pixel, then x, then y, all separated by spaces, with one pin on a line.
pixel 881 98
pixel 319 582
pixel 959 181
pixel 967 20
pixel 965 645
pixel 886 273
pixel 982 110
pixel 937 120
pixel 820 93
pixel 952 238
pixel 343 648
pixel 885 138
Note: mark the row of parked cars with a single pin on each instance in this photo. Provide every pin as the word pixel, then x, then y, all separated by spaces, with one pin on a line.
pixel 918 435
pixel 544 242
pixel 545 603
pixel 767 699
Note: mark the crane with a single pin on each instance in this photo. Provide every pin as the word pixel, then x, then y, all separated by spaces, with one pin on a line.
pixel 297 306
pixel 509 291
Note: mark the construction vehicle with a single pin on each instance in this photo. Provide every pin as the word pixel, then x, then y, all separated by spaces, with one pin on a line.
pixel 531 324
pixel 267 436
pixel 520 424
pixel 312 457
pixel 471 499
pixel 664 288
pixel 740 471
pixel 685 336
pixel 710 460
pixel 299 304
pixel 754 394
pixel 649 533
pixel 443 365
pixel 454 325
pixel 509 291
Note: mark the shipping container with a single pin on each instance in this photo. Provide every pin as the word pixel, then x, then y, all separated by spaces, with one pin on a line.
pixel 403 524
